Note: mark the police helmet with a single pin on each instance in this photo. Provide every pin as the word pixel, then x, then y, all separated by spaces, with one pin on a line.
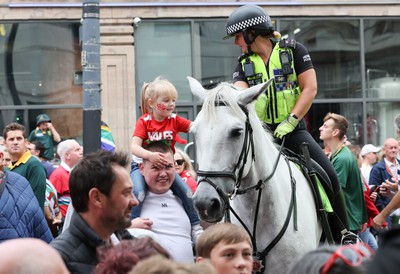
pixel 42 118
pixel 249 17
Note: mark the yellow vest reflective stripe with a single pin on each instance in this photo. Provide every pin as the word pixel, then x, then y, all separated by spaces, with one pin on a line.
pixel 276 104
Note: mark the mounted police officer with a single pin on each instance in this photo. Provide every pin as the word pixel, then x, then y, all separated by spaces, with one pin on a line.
pixel 283 106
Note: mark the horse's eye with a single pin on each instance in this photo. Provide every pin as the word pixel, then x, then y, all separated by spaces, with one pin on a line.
pixel 236 132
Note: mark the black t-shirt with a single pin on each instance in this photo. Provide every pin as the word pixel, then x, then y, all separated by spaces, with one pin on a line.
pixel 302 62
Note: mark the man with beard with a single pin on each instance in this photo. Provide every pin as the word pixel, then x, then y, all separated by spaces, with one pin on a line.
pixel 101 193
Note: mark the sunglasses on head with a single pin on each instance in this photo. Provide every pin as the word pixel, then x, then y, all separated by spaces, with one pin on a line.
pixel 352 255
pixel 179 162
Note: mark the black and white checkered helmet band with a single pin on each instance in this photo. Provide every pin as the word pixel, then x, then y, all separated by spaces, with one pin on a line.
pixel 232 29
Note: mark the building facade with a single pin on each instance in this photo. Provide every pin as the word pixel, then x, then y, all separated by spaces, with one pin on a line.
pixel 355 48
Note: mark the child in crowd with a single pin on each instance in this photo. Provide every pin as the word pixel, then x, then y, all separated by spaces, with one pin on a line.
pixel 228 247
pixel 159 123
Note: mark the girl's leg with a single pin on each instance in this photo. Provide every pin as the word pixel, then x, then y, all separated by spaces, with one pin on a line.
pixel 184 193
pixel 139 189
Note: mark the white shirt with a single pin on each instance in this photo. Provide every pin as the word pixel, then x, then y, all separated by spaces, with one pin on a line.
pixel 170 223
pixel 68 217
pixel 365 171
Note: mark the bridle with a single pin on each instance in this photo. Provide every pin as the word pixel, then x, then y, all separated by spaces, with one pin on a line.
pixel 248 145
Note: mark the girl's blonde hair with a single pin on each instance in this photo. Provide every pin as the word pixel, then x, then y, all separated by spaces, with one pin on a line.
pixel 153 90
pixel 187 165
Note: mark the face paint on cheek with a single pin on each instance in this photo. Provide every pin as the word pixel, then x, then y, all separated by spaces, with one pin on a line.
pixel 161 107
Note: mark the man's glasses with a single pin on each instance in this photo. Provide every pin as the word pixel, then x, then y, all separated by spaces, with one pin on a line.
pixel 352 255
pixel 179 162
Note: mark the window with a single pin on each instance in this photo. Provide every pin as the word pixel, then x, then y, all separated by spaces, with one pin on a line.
pixel 164 49
pixel 334 47
pixel 381 58
pixel 39 61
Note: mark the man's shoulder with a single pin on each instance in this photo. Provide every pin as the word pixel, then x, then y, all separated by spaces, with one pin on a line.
pixel 72 249
pixel 34 161
pixel 28 213
pixel 77 245
pixel 73 240
pixel 17 185
pixel 343 156
pixel 13 177
pixel 65 242
pixel 33 164
pixel 16 182
pixel 58 171
pixel 32 134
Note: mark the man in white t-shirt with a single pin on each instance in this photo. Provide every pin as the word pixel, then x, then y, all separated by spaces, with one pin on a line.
pixel 162 211
pixel 370 157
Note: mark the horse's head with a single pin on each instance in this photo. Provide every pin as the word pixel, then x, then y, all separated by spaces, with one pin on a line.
pixel 223 138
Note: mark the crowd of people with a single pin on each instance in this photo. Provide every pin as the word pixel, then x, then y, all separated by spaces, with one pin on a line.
pixel 116 212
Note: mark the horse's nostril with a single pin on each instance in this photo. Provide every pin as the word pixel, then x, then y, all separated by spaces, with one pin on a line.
pixel 215 205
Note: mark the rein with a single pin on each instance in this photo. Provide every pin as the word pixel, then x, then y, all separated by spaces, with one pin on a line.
pixel 248 143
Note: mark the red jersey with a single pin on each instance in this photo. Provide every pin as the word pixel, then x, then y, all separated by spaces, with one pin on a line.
pixel 190 181
pixel 150 130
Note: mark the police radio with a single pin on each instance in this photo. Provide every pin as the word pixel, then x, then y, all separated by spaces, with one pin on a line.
pixel 248 68
pixel 286 59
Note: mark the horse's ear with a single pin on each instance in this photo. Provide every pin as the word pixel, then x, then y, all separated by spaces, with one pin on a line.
pixel 249 95
pixel 197 89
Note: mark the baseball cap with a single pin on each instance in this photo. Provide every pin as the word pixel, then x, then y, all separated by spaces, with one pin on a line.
pixel 369 148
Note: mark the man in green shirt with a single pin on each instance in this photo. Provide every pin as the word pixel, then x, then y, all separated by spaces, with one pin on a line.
pixel 332 133
pixel 22 161
pixel 45 133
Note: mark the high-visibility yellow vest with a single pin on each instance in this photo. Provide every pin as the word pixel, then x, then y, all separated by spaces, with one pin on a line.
pixel 274 105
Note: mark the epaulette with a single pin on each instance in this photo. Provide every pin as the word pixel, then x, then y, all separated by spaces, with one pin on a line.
pixel 287 43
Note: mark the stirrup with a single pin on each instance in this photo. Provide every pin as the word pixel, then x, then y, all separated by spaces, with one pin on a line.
pixel 349 237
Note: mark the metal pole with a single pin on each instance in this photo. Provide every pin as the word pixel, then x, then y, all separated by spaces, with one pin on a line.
pixel 91 75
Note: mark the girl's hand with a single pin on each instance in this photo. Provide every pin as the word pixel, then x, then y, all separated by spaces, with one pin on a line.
pixel 158 159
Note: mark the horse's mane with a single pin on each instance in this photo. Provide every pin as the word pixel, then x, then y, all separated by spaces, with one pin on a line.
pixel 223 94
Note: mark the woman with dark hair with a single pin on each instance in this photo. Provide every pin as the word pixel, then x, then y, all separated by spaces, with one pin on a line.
pixel 122 257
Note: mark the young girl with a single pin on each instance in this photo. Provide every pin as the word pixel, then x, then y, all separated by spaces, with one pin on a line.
pixel 159 123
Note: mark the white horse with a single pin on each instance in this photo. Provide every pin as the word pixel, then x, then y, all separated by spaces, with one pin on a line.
pixel 242 172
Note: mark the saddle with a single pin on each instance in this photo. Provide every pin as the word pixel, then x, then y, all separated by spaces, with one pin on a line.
pixel 338 229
